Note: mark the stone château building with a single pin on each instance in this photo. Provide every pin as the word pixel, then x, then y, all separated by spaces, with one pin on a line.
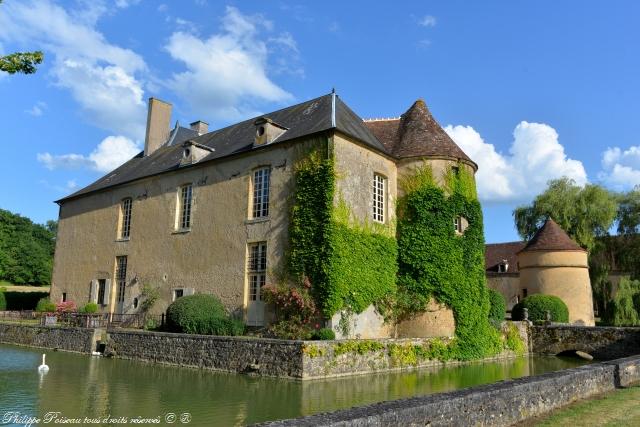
pixel 202 211
pixel 550 263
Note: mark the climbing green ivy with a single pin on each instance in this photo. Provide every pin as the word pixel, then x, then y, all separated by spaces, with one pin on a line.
pixel 434 261
pixel 350 264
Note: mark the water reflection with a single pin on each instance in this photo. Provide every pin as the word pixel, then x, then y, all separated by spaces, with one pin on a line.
pixel 79 386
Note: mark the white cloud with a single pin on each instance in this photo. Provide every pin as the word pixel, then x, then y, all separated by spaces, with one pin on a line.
pixel 126 3
pixel 112 152
pixel 226 74
pixel 37 109
pixel 428 21
pixel 102 77
pixel 535 157
pixel 621 168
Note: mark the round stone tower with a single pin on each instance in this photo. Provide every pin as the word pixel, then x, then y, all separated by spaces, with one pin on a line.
pixel 417 140
pixel 553 264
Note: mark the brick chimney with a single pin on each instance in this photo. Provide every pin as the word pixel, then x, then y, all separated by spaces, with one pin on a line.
pixel 158 121
pixel 200 127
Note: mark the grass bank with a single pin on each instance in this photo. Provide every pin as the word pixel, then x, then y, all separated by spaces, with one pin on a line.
pixel 618 408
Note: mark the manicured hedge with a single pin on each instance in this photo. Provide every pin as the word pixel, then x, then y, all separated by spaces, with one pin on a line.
pixel 45 306
pixel 23 300
pixel 497 307
pixel 538 305
pixel 3 301
pixel 201 314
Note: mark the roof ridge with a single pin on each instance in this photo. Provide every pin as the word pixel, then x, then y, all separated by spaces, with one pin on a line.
pixel 381 119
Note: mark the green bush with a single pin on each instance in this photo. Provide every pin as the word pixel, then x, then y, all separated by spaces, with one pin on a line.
pixel 623 308
pixel 23 300
pixel 3 302
pixel 538 305
pixel 324 334
pixel 497 307
pixel 45 306
pixel 90 308
pixel 201 314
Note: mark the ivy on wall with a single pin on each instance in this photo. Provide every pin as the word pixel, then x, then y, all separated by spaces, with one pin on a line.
pixel 350 264
pixel 435 262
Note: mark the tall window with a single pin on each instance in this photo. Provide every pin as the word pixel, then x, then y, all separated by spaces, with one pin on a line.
pixel 257 269
pixel 125 215
pixel 379 202
pixel 261 178
pixel 184 207
pixel 102 285
pixel 121 276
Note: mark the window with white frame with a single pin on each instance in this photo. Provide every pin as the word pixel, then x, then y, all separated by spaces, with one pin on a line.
pixel 121 277
pixel 125 218
pixel 379 197
pixel 185 197
pixel 458 226
pixel 257 269
pixel 261 179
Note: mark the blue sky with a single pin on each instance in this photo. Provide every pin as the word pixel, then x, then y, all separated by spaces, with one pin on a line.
pixel 530 91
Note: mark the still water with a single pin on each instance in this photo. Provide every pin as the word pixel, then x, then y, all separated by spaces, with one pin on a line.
pixel 78 386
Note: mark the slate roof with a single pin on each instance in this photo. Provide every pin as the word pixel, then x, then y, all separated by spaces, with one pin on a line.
pixel 551 237
pixel 415 134
pixel 495 253
pixel 420 136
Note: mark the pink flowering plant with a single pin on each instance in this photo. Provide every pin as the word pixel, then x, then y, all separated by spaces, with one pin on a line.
pixel 296 310
pixel 66 307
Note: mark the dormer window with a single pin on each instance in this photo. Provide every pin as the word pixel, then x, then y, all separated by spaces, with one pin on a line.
pixel 193 152
pixel 503 267
pixel 267 131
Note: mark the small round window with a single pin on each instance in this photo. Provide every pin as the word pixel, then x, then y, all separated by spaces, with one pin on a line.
pixel 135 303
pixel 186 152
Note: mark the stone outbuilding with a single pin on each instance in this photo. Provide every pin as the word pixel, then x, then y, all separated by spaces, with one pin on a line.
pixel 551 263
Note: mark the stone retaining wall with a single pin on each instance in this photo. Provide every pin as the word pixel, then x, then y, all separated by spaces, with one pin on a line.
pixel 500 404
pixel 80 340
pixel 603 343
pixel 233 354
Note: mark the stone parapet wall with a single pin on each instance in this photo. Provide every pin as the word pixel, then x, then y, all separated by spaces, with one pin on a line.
pixel 501 404
pixel 603 343
pixel 80 340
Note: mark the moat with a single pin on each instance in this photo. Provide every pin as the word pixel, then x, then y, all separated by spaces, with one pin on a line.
pixel 79 386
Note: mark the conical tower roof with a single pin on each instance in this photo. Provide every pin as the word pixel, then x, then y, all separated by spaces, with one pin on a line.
pixel 416 134
pixel 551 238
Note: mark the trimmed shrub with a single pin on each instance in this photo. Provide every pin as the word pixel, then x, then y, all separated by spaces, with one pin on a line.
pixel 497 307
pixel 324 334
pixel 45 306
pixel 538 305
pixel 201 314
pixel 23 300
pixel 90 308
pixel 3 302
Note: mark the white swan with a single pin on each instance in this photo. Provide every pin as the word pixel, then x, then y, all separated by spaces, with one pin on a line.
pixel 43 367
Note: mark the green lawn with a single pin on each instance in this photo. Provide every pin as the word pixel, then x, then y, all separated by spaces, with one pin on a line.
pixel 618 408
pixel 10 287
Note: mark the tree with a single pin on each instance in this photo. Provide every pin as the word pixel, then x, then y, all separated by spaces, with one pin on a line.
pixel 21 62
pixel 585 213
pixel 26 250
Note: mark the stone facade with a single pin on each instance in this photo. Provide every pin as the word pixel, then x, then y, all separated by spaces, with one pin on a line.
pixel 212 254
